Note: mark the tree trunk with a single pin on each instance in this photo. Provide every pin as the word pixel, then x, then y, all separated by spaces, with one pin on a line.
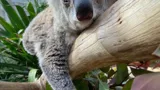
pixel 128 31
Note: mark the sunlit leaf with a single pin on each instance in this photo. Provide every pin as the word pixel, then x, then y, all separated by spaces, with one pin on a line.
pixel 32 75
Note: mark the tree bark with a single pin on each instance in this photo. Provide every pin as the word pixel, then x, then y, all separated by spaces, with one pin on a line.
pixel 128 31
pixel 19 86
pixel 40 84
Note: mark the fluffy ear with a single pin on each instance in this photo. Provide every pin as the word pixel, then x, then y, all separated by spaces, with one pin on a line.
pixel 27 44
pixel 35 28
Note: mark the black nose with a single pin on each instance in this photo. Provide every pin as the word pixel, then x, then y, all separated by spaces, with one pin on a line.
pixel 84 11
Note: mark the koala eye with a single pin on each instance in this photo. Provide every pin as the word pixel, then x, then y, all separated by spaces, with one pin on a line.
pixel 66 3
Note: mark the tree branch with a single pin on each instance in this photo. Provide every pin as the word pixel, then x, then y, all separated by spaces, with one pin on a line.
pixel 128 31
pixel 40 84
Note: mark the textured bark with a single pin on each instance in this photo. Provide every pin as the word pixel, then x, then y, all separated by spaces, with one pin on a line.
pixel 40 84
pixel 19 86
pixel 128 31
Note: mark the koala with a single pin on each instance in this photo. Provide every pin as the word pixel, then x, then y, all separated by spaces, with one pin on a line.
pixel 52 46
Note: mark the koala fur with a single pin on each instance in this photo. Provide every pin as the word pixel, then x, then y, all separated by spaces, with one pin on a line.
pixel 51 34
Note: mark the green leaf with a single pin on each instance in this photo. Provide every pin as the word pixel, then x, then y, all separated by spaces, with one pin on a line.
pixel 13 16
pixel 92 80
pixel 96 72
pixel 4 33
pixel 36 5
pixel 31 10
pixel 42 7
pixel 48 87
pixel 81 84
pixel 122 73
pixel 103 77
pixel 7 65
pixel 13 72
pixel 128 85
pixel 12 52
pixel 137 72
pixel 6 26
pixel 111 73
pixel 23 15
pixel 13 56
pixel 103 86
pixel 105 69
pixel 32 75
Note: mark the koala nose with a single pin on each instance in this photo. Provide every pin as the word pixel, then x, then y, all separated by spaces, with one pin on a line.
pixel 84 10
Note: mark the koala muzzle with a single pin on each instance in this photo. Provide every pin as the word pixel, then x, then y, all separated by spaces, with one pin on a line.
pixel 84 10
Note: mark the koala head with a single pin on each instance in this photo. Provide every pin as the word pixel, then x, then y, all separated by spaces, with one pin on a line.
pixel 78 13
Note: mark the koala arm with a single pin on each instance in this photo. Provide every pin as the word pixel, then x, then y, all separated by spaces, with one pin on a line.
pixel 55 63
pixel 53 57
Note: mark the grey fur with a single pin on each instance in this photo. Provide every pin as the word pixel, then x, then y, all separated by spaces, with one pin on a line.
pixel 52 44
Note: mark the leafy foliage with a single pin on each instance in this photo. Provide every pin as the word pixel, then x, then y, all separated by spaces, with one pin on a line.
pixel 15 62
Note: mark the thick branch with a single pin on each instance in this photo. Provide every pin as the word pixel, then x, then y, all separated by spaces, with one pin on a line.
pixel 128 31
pixel 40 84
pixel 19 86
